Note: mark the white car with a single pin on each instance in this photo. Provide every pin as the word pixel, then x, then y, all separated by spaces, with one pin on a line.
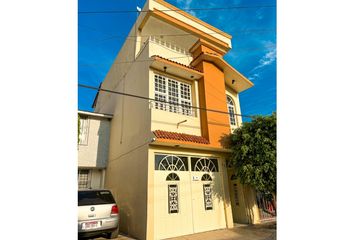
pixel 98 214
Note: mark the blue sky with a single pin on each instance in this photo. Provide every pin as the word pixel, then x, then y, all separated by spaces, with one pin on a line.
pixel 253 53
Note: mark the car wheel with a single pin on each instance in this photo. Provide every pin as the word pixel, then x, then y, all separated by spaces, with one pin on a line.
pixel 113 234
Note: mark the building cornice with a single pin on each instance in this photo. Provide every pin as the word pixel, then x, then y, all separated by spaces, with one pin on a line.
pixel 95 114
pixel 187 15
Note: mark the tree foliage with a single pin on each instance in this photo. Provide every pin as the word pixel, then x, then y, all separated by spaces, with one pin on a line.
pixel 254 153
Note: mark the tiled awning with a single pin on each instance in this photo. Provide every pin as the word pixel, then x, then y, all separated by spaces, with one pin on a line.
pixel 180 137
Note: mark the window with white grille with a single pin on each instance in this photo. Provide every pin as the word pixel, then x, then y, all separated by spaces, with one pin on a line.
pixel 231 109
pixel 177 94
pixel 160 92
pixel 84 131
pixel 83 178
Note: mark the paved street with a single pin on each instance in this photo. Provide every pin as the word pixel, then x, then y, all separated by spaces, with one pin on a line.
pixel 239 232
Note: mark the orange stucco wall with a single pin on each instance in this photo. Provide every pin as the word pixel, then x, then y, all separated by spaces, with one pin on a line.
pixel 212 96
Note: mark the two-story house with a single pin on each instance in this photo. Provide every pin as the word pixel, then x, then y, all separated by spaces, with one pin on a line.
pixel 167 162
pixel 93 149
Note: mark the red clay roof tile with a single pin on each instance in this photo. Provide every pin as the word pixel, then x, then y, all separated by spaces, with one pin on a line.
pixel 180 137
pixel 193 68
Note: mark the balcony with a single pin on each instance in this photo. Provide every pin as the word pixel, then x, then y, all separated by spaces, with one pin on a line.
pixel 166 49
pixel 183 109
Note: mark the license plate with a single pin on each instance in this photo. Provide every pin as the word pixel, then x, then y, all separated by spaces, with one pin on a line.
pixel 91 225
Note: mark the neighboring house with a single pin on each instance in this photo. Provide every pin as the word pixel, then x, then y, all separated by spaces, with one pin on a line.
pixel 93 149
pixel 167 163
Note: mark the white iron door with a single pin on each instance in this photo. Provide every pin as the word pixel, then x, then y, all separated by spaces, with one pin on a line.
pixel 172 208
pixel 207 198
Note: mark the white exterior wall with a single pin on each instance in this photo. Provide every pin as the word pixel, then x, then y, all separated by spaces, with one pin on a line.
pixel 95 153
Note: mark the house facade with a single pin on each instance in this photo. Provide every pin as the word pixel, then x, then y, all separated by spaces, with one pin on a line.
pixel 93 149
pixel 167 163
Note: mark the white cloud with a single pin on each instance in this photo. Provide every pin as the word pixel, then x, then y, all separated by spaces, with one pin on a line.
pixel 186 4
pixel 267 58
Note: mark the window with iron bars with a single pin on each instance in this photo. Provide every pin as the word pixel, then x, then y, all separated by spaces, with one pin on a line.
pixel 83 178
pixel 177 94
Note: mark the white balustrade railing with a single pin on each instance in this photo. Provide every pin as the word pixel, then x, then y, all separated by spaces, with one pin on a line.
pixel 168 45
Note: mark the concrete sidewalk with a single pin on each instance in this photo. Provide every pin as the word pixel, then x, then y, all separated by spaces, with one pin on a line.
pixel 265 231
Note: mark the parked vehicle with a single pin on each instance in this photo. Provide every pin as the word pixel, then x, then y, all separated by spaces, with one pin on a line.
pixel 98 214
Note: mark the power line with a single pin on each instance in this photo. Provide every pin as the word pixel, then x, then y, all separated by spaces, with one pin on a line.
pixel 182 34
pixel 179 10
pixel 170 58
pixel 145 60
pixel 162 101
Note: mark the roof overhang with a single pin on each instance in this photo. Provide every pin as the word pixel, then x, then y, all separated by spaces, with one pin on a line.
pixel 109 116
pixel 240 83
pixel 178 18
pixel 175 68
pixel 179 144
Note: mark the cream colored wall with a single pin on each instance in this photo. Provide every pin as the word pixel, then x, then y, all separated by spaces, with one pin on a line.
pixel 239 212
pixel 95 153
pixel 247 211
pixel 220 219
pixel 123 64
pixel 126 174
pixel 251 204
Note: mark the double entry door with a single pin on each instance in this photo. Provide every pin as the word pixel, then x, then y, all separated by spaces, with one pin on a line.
pixel 188 196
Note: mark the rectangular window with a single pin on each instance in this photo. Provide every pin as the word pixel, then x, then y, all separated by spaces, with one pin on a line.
pixel 84 131
pixel 83 178
pixel 172 198
pixel 160 92
pixel 208 200
pixel 177 94
pixel 232 115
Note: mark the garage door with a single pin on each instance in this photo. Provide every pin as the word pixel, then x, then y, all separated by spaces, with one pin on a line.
pixel 188 196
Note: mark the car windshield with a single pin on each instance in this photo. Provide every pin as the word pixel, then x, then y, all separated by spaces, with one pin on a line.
pixel 95 198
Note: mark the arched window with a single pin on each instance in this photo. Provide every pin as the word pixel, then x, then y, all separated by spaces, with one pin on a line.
pixel 231 110
pixel 172 163
pixel 204 165
pixel 206 177
pixel 172 177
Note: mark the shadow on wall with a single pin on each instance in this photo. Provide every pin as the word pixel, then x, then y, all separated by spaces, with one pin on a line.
pixel 103 133
pixel 124 217
pixel 225 141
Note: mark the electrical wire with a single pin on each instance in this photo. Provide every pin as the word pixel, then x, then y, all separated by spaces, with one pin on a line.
pixel 162 101
pixel 181 34
pixel 181 10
